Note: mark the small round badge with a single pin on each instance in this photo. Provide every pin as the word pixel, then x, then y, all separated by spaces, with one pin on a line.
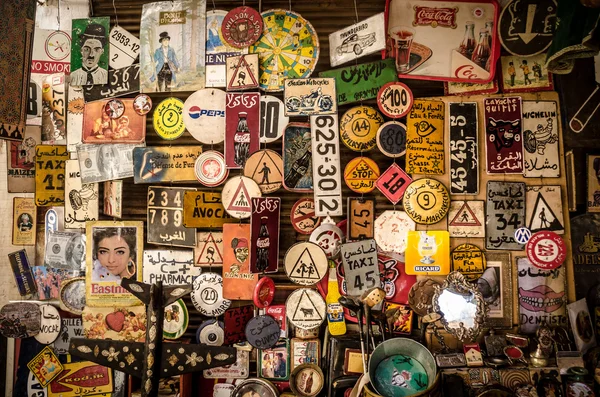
pixel 391 139
pixel 546 250
pixel 305 308
pixel 305 263
pixel 307 380
pixel 522 235
pixel 50 326
pixel 266 168
pixel 395 99
pixel 426 201
pixel 262 332
pixel 204 115
pixel 330 238
pixel 273 119
pixel 210 168
pixel 114 108
pixel 264 292
pixel 175 320
pixel 207 295
pixel 303 216
pixel 142 104
pixel 242 26
pixel 237 194
pixel 361 174
pixel 358 128
pixel 167 119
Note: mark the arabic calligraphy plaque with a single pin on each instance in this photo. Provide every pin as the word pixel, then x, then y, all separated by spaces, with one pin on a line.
pixel 526 27
pixel 505 213
pixel 464 149
pixel 167 118
pixel 303 216
pixel 204 210
pixel 172 267
pixel 426 201
pixel 503 132
pixel 238 282
pixel 543 209
pixel 361 268
pixel 327 179
pixel 264 239
pixel 82 202
pixel 468 259
pixel 165 218
pixel 466 219
pixel 359 126
pixel 50 175
pixel 540 139
pixel 361 218
pixel 152 164
pixel 50 326
pixel 425 138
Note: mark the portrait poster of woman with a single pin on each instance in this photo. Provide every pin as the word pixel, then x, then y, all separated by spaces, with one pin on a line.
pixel 99 127
pixel 114 251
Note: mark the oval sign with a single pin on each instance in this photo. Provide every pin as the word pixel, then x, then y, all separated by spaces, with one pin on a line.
pixel 175 320
pixel 361 174
pixel 50 325
pixel 395 99
pixel 358 128
pixel 207 295
pixel 305 308
pixel 167 119
pixel 303 216
pixel 262 332
pixel 241 27
pixel 426 201
pixel 204 115
pixel 272 119
pixel 305 263
pixel 20 320
pixel 142 104
pixel 210 168
pixel 391 139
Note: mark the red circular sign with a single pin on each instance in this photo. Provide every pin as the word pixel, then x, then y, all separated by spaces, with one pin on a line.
pixel 546 250
pixel 395 99
pixel 242 27
pixel 303 216
pixel 264 292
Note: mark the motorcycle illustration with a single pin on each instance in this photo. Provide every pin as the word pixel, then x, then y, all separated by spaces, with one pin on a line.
pixel 315 101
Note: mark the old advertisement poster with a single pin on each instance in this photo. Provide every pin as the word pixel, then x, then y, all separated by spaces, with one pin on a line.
pixel 303 97
pixel 24 221
pixel 242 127
pixel 503 132
pixel 540 139
pixel 264 237
pixel 21 162
pixel 113 121
pixel 425 138
pixel 238 281
pixel 217 50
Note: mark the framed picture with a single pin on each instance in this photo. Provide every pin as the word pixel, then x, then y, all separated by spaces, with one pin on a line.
pixel 113 121
pixel 495 284
pixel 114 251
pixel 274 363
pixel 525 74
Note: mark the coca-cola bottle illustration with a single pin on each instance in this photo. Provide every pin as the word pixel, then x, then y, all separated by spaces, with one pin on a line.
pixel 467 46
pixel 482 50
pixel 298 170
pixel 241 140
pixel 489 25
pixel 262 246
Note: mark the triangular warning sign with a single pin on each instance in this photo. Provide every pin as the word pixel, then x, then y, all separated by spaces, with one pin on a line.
pixel 242 76
pixel 542 216
pixel 305 267
pixel 266 161
pixel 465 217
pixel 210 254
pixel 241 199
pixel 306 310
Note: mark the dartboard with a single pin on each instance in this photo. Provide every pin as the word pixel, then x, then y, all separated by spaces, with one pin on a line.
pixel 287 49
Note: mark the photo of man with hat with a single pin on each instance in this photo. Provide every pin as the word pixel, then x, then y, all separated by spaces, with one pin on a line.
pixel 166 63
pixel 92 42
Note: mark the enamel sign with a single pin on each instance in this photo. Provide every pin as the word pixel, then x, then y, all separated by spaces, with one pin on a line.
pixel 503 132
pixel 464 157
pixel 165 218
pixel 425 138
pixel 303 97
pixel 327 174
pixel 505 213
pixel 541 139
pixel 362 38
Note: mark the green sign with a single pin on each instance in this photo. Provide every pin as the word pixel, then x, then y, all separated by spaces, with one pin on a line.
pixel 361 82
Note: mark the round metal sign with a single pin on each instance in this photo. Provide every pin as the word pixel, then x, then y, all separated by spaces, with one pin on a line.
pixel 421 296
pixel 142 104
pixel 305 263
pixel 391 231
pixel 72 295
pixel 207 295
pixel 210 168
pixel 303 216
pixel 264 292
pixel 546 250
pixel 272 119
pixel 167 119
pixel 175 320
pixel 262 332
pixel 522 235
pixel 50 325
pixel 391 139
pixel 358 128
pixel 426 201
pixel 395 99
pixel 237 194
pixel 330 238
pixel 204 115
pixel 361 174
pixel 307 380
pixel 241 27
pixel 20 320
pixel 305 308
pixel 526 27
pixel 265 167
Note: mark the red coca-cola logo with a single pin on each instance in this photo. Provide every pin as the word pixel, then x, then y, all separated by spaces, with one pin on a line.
pixel 466 72
pixel 445 17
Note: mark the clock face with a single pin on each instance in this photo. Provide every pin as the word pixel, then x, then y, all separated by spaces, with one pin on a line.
pixel 288 48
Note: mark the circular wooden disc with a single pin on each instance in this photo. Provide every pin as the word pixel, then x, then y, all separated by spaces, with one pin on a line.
pixel 50 325
pixel 307 380
pixel 167 119
pixel 210 168
pixel 305 308
pixel 421 295
pixel 546 250
pixel 72 295
pixel 391 139
pixel 395 99
pixel 265 167
pixel 241 27
pixel 303 216
pixel 20 319
pixel 142 104
pixel 273 119
pixel 207 295
pixel 204 115
pixel 426 201
pixel 391 231
pixel 330 238
pixel 262 332
pixel 305 263
pixel 358 128
pixel 176 319
pixel 361 174
pixel 237 194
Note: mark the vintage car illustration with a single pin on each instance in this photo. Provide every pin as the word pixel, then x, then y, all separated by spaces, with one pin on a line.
pixel 356 43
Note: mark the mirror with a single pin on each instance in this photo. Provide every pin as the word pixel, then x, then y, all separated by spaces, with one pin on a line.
pixel 461 306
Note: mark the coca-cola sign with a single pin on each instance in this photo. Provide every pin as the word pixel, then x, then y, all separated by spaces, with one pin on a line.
pixel 264 234
pixel 434 16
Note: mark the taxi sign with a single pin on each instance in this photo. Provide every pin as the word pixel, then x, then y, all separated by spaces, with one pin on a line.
pixel 361 174
pixel 207 295
pixel 395 99
pixel 426 201
pixel 393 182
pixel 204 115
pixel 361 267
pixel 50 175
pixel 546 250
pixel 305 263
pixel 265 167
pixel 167 119
pixel 358 128
pixel 241 27
pixel 391 231
pixel 237 194
pixel 305 308
pixel 210 168
pixel 428 253
pixel 303 216
pixel 391 139
pixel 468 259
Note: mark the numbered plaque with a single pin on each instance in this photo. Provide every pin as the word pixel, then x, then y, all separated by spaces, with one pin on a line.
pixel 272 119
pixel 50 175
pixel 123 81
pixel 361 218
pixel 264 236
pixel 54 105
pixel 391 139
pixel 540 139
pixel 238 282
pixel 464 158
pixel 171 267
pixel 393 182
pixel 361 268
pixel 242 127
pixel 359 126
pixel 82 202
pixel 327 177
pixel 395 99
pixel 204 210
pixel 165 218
pixel 426 201
pixel 425 138
pixel 124 48
pixel 505 213
pixel 503 132
pixel 235 321
pixel 391 231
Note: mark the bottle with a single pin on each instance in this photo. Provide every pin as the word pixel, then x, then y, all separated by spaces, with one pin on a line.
pixel 482 50
pixel 335 311
pixel 299 169
pixel 468 44
pixel 489 26
pixel 241 140
pixel 262 246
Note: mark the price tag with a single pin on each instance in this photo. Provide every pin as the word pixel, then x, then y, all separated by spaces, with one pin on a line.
pixel 50 175
pixel 361 218
pixel 464 157
pixel 505 213
pixel 327 179
pixel 235 320
pixel 393 182
pixel 395 99
pixel 361 268
pixel 165 218
pixel 124 48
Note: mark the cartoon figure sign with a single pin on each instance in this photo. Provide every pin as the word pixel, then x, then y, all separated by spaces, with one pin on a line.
pixel 89 51
pixel 45 366
pixel 503 131
pixel 238 281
